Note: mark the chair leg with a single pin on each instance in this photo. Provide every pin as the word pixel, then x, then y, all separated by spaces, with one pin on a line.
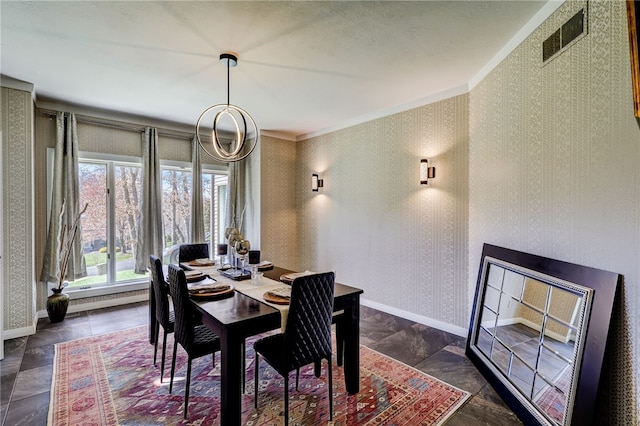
pixel 173 363
pixel 330 391
pixel 256 369
pixel 286 400
pixel 156 331
pixel 164 352
pixel 317 367
pixel 186 388
pixel 297 377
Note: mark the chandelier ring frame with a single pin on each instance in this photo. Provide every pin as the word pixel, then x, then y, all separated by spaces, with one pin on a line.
pixel 219 152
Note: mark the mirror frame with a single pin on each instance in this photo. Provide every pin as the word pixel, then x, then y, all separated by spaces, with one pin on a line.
pixel 601 288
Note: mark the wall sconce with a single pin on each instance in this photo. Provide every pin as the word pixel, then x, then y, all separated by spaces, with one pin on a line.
pixel 426 172
pixel 316 183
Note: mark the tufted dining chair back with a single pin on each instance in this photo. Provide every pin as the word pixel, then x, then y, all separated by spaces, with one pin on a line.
pixel 189 252
pixel 164 316
pixel 307 335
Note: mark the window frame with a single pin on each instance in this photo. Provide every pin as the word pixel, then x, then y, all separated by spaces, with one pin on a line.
pixel 110 160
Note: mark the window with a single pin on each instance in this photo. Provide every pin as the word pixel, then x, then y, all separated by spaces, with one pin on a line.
pixel 176 208
pixel 113 191
pixel 112 186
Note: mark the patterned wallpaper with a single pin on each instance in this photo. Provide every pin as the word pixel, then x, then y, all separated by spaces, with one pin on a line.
pixel 17 145
pixel 373 223
pixel 554 153
pixel 278 214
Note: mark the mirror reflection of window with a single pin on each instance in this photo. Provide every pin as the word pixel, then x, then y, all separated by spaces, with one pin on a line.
pixel 528 331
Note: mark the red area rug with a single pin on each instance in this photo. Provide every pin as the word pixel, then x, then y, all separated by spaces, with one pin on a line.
pixel 111 380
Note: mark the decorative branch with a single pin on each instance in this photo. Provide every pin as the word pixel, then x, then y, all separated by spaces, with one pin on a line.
pixel 67 238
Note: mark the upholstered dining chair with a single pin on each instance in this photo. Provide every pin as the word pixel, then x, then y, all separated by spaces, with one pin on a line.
pixel 165 317
pixel 189 252
pixel 307 335
pixel 196 339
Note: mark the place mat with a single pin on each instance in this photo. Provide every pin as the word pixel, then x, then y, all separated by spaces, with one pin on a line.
pixel 201 262
pixel 288 278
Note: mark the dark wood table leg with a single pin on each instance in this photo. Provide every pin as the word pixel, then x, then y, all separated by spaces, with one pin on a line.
pixel 352 345
pixel 152 313
pixel 231 380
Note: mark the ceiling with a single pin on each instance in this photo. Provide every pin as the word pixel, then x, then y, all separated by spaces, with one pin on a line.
pixel 303 67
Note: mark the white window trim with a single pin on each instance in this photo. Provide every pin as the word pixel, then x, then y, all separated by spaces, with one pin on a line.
pixel 143 283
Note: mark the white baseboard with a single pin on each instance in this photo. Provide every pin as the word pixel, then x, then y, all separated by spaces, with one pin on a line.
pixel 19 332
pixel 81 307
pixel 449 328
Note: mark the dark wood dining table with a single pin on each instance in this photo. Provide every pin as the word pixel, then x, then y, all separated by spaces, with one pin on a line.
pixel 238 317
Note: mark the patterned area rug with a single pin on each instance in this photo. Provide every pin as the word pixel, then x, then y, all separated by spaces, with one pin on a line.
pixel 111 380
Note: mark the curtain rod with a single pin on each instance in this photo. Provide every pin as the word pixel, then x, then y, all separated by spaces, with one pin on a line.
pixel 121 125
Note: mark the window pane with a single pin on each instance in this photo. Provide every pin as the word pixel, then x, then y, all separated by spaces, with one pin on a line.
pixel 220 203
pixel 207 207
pixel 93 184
pixel 128 190
pixel 176 207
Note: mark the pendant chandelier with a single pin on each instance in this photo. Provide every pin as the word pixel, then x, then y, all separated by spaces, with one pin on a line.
pixel 242 139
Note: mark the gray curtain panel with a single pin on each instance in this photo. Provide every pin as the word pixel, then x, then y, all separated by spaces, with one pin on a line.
pixel 236 195
pixel 65 192
pixel 197 214
pixel 150 235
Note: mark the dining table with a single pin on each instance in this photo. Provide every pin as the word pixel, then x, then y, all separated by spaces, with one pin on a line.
pixel 244 313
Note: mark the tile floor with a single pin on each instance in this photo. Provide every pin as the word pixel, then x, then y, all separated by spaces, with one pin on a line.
pixel 27 367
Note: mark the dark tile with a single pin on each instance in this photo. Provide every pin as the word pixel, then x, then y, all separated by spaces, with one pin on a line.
pixel 410 346
pixel 387 321
pixel 372 332
pixel 37 357
pixel 51 335
pixel 8 380
pixel 32 382
pixel 13 353
pixel 478 411
pixel 70 320
pixel 452 366
pixel 124 323
pixel 28 411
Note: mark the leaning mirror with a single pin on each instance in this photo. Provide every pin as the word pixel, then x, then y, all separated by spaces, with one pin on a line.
pixel 538 333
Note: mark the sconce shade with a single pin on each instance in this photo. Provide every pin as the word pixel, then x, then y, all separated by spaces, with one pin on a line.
pixel 316 182
pixel 426 172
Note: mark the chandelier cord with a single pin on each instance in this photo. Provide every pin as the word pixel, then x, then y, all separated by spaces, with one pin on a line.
pixel 228 84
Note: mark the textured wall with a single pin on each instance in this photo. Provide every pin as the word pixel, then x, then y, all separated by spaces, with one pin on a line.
pixel 554 153
pixel 16 113
pixel 373 223
pixel 278 214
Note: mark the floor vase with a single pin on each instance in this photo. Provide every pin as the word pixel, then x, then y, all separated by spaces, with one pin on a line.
pixel 57 305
